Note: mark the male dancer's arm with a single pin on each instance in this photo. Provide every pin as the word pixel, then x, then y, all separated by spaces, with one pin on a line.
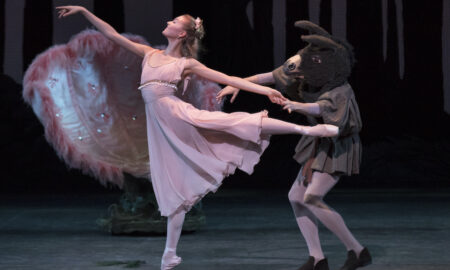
pixel 289 85
pixel 194 66
pixel 312 109
pixel 275 77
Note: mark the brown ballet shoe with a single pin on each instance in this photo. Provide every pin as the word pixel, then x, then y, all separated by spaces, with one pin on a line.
pixel 353 262
pixel 320 265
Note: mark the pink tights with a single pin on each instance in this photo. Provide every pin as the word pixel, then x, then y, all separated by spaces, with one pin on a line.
pixel 273 126
pixel 174 227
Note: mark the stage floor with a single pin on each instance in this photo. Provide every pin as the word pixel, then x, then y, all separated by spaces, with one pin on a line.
pixel 246 229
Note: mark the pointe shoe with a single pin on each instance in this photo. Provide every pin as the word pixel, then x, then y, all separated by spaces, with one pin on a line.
pixel 170 261
pixel 322 130
pixel 354 262
pixel 320 265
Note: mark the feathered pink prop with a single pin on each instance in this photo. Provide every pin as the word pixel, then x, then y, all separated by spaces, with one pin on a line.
pixel 85 94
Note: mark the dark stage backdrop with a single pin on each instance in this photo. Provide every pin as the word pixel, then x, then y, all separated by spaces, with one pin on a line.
pixel 400 81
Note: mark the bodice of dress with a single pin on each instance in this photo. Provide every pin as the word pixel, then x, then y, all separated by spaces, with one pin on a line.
pixel 168 72
pixel 160 80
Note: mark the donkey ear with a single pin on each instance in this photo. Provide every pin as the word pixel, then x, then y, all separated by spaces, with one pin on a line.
pixel 312 28
pixel 321 41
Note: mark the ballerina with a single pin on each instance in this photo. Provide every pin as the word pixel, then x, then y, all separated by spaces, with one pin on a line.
pixel 192 150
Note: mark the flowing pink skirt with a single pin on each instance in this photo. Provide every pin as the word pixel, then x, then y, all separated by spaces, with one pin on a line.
pixel 192 150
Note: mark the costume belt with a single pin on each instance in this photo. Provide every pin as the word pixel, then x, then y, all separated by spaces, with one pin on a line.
pixel 159 82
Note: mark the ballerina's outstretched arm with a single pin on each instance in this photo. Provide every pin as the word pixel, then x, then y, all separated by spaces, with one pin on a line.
pixel 269 125
pixel 312 109
pixel 263 79
pixel 105 29
pixel 194 66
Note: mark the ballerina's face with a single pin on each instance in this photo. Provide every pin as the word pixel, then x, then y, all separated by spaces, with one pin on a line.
pixel 175 28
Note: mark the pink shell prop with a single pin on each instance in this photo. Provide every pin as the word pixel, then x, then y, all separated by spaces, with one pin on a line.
pixel 85 94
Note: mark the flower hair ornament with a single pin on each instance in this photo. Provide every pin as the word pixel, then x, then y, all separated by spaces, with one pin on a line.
pixel 198 23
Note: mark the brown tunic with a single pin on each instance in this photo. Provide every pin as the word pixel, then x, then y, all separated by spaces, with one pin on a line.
pixel 340 155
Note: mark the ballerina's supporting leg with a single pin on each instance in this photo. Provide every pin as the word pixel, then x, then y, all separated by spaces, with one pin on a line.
pixel 273 126
pixel 174 227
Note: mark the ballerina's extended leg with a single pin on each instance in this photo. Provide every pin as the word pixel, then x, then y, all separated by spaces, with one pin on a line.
pixel 274 126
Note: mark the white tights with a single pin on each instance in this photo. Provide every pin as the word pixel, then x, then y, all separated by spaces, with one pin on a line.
pixel 309 207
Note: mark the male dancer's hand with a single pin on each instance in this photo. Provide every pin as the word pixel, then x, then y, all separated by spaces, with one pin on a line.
pixel 312 109
pixel 290 105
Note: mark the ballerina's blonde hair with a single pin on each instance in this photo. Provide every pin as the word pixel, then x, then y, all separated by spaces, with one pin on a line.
pixel 194 34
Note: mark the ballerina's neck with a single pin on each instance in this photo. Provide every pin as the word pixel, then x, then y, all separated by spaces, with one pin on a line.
pixel 158 59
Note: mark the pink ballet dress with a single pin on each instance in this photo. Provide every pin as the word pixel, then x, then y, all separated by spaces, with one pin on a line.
pixel 192 150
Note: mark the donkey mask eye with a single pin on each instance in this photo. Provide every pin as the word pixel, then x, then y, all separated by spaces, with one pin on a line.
pixel 316 59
